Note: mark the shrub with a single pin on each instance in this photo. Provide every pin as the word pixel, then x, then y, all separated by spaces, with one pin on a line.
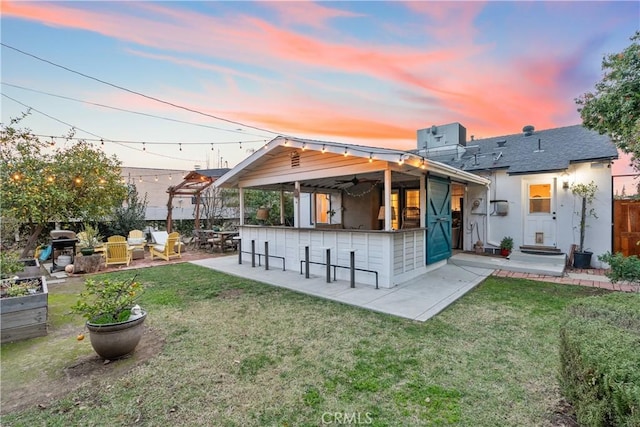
pixel 599 359
pixel 623 268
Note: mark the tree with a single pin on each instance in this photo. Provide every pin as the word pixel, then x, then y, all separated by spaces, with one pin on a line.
pixel 254 199
pixel 41 184
pixel 131 214
pixel 614 107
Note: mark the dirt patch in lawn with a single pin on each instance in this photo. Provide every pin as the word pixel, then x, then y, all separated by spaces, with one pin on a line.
pixel 79 371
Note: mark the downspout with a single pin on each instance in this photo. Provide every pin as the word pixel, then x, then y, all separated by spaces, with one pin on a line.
pixel 488 201
pixel 488 227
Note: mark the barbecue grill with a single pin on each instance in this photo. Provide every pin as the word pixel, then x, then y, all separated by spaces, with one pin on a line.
pixel 63 248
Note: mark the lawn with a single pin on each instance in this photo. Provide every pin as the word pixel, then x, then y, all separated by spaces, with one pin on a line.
pixel 234 352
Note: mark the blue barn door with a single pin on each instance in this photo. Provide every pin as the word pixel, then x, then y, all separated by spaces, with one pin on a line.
pixel 438 219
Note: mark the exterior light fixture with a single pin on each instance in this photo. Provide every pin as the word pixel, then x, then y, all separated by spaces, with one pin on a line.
pixel 324 149
pixel 565 180
pixel 370 157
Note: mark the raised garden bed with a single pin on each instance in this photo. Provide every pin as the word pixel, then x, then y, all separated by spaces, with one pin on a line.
pixel 23 317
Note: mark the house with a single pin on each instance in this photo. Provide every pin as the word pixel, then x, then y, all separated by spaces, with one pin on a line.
pixel 531 175
pixel 390 211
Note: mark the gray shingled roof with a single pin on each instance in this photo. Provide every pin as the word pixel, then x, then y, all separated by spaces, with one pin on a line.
pixel 542 151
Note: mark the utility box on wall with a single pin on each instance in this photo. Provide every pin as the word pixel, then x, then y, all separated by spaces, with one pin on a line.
pixel 501 207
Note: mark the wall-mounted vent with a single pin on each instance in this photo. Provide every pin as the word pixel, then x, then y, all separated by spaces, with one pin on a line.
pixel 295 159
pixel 528 130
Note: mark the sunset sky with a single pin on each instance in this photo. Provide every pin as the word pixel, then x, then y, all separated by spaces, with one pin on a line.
pixel 369 73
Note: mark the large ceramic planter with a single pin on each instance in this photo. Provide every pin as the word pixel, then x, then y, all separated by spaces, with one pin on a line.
pixel 582 259
pixel 115 340
pixel 25 316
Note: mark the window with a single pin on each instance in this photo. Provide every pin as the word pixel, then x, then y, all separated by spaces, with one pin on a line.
pixel 540 198
pixel 323 206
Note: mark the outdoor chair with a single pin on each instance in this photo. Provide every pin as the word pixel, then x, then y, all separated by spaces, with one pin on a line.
pixel 136 239
pixel 170 248
pixel 117 253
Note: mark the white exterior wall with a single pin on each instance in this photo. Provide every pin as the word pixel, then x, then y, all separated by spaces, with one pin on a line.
pixel 397 256
pixel 514 189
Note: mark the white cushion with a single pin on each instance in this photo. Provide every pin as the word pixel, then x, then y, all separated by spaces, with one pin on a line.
pixel 160 237
pixel 136 240
pixel 159 248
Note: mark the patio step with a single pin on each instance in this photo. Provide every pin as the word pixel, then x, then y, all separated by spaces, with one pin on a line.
pixel 549 265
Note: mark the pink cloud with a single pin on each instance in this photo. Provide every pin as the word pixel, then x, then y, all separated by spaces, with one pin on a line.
pixel 306 13
pixel 489 97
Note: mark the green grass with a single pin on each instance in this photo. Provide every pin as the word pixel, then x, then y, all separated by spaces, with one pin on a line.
pixel 241 353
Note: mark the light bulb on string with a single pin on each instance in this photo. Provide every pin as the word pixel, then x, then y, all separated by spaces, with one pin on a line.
pixel 170 177
pixel 156 178
pixel 144 148
pixel 422 165
pixel 211 146
pixel 240 143
pixel 304 146
pixel 102 142
pixel 140 180
pixel 346 152
pixel 324 149
pixel 52 143
pixel 180 145
pixel 370 157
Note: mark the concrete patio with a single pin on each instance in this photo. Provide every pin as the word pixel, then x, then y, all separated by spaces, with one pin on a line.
pixel 419 299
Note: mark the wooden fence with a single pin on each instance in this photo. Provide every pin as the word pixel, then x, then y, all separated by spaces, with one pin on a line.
pixel 626 227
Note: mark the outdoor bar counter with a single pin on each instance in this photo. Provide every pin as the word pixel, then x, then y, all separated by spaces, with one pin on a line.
pixel 397 256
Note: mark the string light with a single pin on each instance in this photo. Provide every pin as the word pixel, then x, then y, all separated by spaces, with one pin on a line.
pixel 16 176
pixel 423 165
pixel 144 148
pixel 346 152
pixel 324 149
pixel 78 180
pixel 400 160
pixel 240 143
pixel 140 180
pixel 50 178
pixel 370 157
pixel 212 146
pixel 52 143
pixel 101 141
pixel 180 145
pixel 156 178
pixel 304 146
pixel 170 177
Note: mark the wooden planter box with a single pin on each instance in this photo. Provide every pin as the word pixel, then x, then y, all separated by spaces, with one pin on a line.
pixel 25 316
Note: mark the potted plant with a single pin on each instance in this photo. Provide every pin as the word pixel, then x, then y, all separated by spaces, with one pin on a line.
pixel 506 245
pixel 586 193
pixel 88 239
pixel 114 320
